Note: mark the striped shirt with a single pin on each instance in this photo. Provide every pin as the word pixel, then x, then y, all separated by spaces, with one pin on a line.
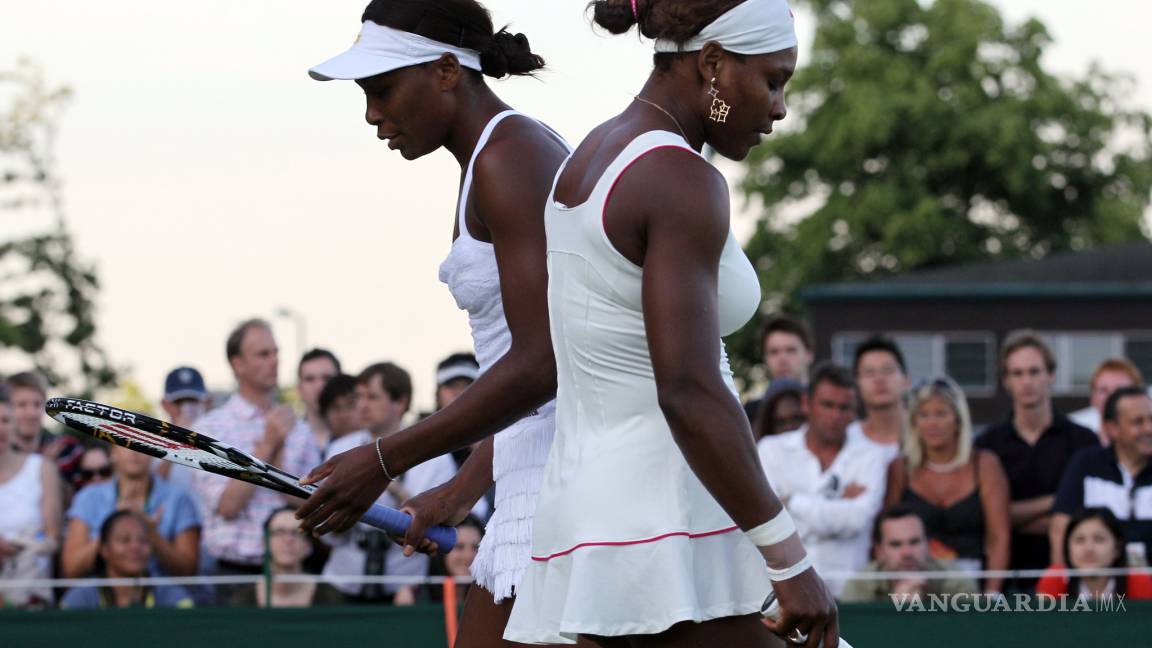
pixel 241 424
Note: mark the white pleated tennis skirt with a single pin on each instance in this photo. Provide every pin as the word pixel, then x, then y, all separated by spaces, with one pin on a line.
pixel 518 456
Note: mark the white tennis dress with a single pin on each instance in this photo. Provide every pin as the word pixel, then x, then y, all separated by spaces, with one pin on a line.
pixel 521 449
pixel 627 540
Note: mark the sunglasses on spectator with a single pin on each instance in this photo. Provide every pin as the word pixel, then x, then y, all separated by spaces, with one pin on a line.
pixel 935 383
pixel 103 472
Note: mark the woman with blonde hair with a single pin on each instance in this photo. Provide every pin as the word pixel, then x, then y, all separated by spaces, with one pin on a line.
pixel 961 495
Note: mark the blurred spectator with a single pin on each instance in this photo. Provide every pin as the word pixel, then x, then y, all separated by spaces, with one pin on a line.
pixel 95 466
pixel 1110 375
pixel 316 368
pixel 1034 446
pixel 786 345
pixel 338 407
pixel 125 553
pixel 781 409
pixel 881 380
pixel 901 545
pixel 186 399
pixel 453 375
pixel 1118 477
pixel 456 563
pixel 961 496
pixel 173 521
pixel 288 547
pixel 30 502
pixel 28 392
pixel 383 393
pixel 1094 539
pixel 831 484
pixel 251 420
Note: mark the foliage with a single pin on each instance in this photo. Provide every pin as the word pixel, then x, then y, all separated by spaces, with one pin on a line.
pixel 930 134
pixel 47 291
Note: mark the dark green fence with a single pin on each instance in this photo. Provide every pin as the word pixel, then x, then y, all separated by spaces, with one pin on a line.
pixel 423 626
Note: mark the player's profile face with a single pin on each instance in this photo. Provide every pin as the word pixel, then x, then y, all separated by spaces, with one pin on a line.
pixel 753 89
pixel 406 107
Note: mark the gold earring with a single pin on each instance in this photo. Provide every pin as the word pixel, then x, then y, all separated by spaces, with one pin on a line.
pixel 720 109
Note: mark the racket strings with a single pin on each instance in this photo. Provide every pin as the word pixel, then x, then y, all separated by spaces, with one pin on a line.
pixel 128 436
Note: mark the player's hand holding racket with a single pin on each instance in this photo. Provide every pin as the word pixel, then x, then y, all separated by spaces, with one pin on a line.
pixel 173 443
pixel 442 505
pixel 353 481
pixel 807 612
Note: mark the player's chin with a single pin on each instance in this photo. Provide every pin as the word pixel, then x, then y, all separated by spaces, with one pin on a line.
pixel 735 151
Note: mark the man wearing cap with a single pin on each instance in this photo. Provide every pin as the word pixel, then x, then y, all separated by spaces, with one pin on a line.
pixel 185 400
pixel 453 375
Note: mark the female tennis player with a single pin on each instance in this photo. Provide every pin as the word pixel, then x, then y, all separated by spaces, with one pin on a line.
pixel 421 65
pixel 656 525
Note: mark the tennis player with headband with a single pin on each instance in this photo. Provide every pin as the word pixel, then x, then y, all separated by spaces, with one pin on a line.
pixel 656 525
pixel 420 64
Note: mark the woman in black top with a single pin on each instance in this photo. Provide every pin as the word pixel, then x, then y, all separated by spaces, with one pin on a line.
pixel 961 496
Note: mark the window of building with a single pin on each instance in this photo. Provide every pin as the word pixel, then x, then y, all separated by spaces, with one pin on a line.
pixel 967 357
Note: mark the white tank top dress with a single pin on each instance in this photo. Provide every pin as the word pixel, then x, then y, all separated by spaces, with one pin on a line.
pixel 521 449
pixel 627 541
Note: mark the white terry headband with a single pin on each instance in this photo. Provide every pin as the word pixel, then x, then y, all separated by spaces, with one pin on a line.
pixel 379 49
pixel 751 27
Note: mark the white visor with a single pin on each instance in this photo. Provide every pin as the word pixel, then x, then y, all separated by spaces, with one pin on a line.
pixel 452 372
pixel 380 49
pixel 751 27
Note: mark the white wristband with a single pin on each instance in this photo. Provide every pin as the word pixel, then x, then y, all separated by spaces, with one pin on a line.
pixel 794 570
pixel 774 531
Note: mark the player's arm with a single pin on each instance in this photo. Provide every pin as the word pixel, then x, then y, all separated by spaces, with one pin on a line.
pixel 525 377
pixel 511 180
pixel 684 231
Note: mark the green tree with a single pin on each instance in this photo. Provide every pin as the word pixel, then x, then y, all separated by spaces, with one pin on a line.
pixel 46 289
pixel 930 134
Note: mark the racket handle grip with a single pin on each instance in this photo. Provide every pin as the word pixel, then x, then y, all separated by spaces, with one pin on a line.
pixel 397 522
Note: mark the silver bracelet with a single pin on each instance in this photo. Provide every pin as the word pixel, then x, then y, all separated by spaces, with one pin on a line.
pixel 380 456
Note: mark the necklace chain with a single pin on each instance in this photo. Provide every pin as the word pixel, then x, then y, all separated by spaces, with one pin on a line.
pixel 661 109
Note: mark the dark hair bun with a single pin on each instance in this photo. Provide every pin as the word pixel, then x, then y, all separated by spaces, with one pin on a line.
pixel 613 15
pixel 509 53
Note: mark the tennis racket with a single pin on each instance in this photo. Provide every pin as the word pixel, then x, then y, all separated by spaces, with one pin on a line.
pixel 173 443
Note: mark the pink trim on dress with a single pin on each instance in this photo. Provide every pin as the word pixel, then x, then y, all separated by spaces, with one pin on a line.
pixel 690 536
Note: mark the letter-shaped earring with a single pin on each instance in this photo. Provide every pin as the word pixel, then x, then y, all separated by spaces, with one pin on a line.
pixel 720 109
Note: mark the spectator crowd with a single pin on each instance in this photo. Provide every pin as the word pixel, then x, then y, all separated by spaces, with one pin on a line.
pixel 881 475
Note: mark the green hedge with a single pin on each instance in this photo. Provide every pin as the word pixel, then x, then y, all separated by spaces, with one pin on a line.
pixel 422 626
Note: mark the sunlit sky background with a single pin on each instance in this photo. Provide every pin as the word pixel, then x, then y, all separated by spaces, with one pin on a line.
pixel 212 180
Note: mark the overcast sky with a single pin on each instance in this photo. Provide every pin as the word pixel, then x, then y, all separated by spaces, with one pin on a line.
pixel 245 187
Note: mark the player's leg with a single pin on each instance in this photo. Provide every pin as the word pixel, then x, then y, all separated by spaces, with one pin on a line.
pixel 482 623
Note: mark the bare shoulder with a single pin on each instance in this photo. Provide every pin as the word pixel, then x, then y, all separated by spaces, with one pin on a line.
pixel 517 144
pixel 987 462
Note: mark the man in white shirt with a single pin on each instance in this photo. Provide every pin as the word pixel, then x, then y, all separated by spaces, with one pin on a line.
pixel 882 380
pixel 383 395
pixel 832 485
